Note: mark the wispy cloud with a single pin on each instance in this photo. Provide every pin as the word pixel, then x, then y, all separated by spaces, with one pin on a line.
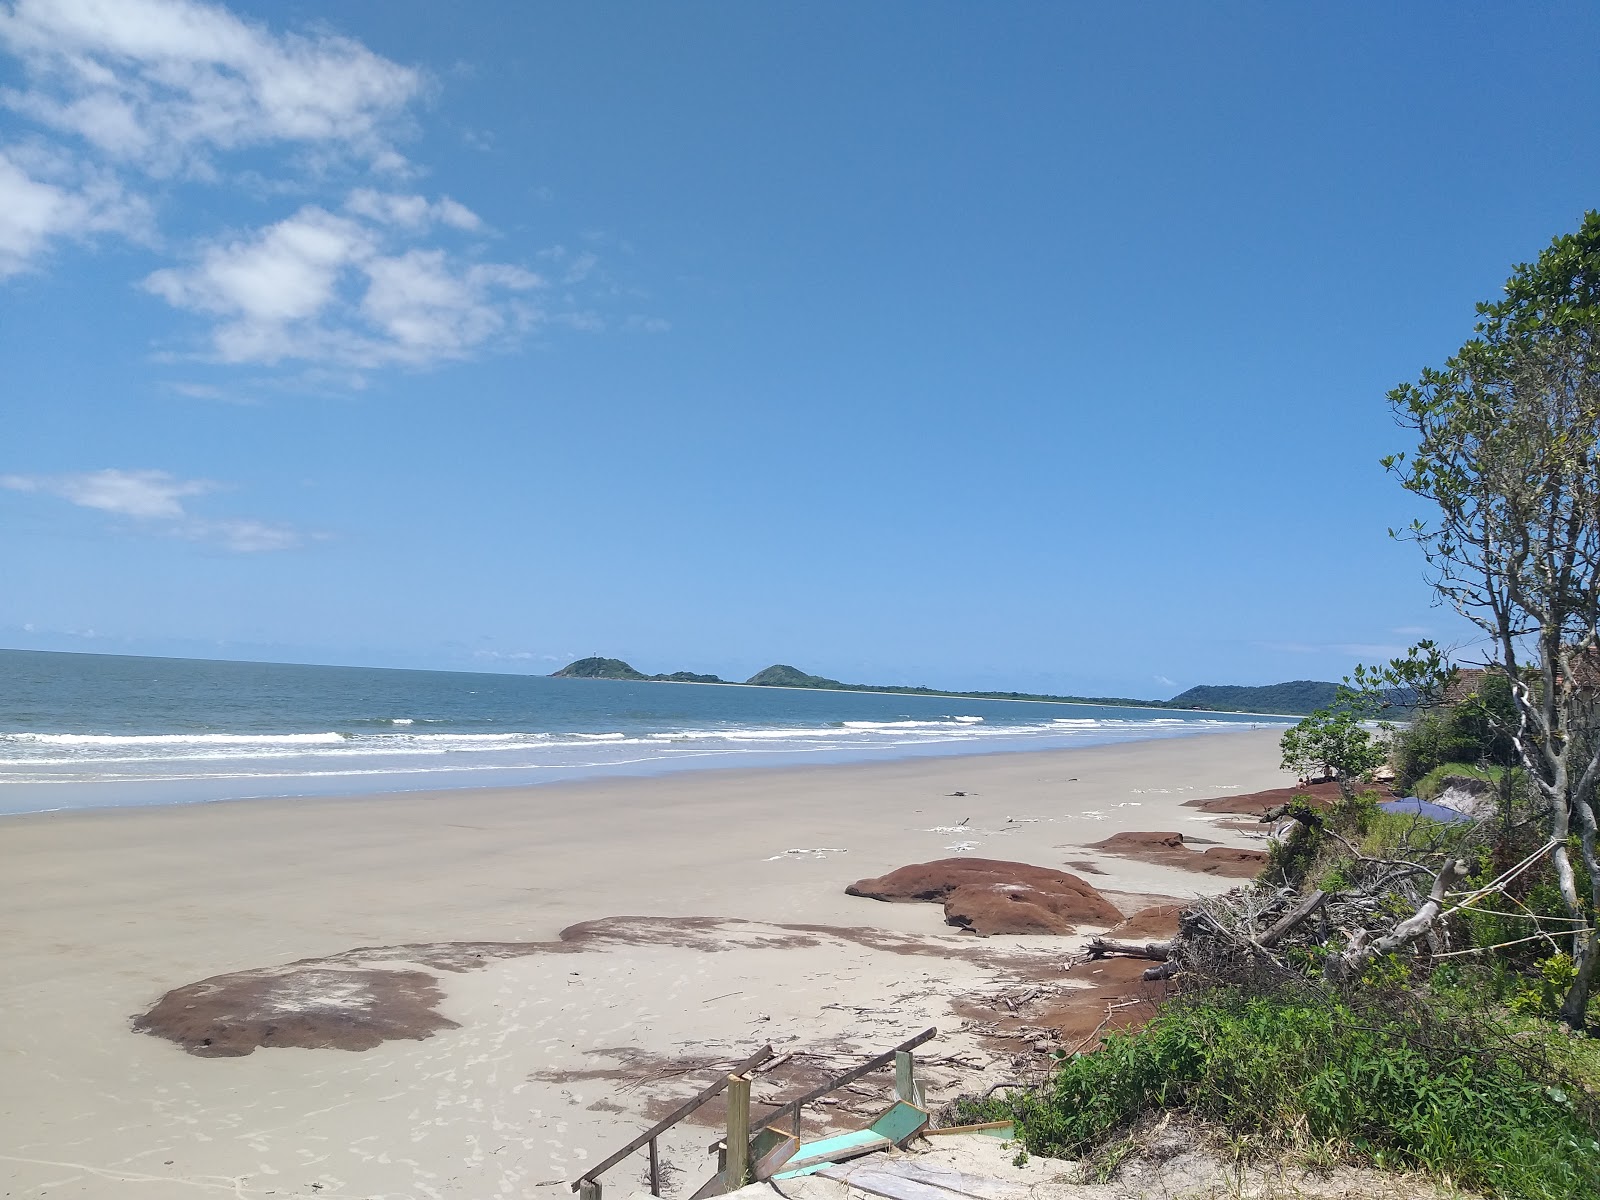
pixel 44 198
pixel 136 99
pixel 330 288
pixel 1165 682
pixel 163 85
pixel 156 500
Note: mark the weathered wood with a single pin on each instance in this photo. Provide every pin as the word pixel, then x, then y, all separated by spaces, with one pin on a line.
pixel 1101 947
pixel 588 1189
pixel 655 1169
pixel 1361 950
pixel 793 1107
pixel 1292 919
pixel 738 1168
pixel 905 1087
pixel 671 1119
pixel 1165 971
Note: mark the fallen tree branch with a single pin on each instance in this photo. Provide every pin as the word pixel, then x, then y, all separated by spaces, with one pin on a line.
pixel 1363 948
pixel 1105 947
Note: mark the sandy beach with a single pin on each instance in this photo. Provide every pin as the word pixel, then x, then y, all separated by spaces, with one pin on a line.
pixel 705 915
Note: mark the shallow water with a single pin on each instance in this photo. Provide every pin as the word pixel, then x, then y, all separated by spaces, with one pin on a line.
pixel 88 730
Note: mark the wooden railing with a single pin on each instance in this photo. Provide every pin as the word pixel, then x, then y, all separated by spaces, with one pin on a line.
pixel 737 1142
pixel 587 1185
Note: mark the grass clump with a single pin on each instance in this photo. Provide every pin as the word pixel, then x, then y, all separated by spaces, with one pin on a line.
pixel 1438 779
pixel 1388 1081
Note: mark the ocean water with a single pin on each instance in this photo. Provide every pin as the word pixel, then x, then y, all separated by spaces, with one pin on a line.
pixel 92 730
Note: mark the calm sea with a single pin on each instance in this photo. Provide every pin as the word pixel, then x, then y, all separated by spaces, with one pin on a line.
pixel 90 730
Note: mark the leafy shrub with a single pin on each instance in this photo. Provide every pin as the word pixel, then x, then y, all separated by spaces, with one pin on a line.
pixel 1393 1082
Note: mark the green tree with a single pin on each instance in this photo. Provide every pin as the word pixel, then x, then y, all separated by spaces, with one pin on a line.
pixel 1333 742
pixel 1508 450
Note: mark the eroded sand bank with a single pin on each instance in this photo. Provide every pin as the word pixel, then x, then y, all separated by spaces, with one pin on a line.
pixel 549 1051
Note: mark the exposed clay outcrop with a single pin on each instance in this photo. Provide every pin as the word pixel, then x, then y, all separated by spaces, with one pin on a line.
pixel 1170 850
pixel 1155 924
pixel 988 896
pixel 363 997
pixel 315 1007
pixel 1323 795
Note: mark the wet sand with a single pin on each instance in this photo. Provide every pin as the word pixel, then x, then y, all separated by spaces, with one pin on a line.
pixel 543 1049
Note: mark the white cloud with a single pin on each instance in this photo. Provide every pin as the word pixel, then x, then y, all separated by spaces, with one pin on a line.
pixel 326 288
pixel 148 494
pixel 162 84
pixel 36 209
pixel 127 90
pixel 415 212
pixel 1165 682
pixel 157 498
pixel 242 536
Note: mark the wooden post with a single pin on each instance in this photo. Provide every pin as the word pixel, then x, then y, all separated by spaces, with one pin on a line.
pixel 738 1132
pixel 655 1169
pixel 588 1189
pixel 905 1087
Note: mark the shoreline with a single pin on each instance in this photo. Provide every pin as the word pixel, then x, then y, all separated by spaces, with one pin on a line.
pixel 597 947
pixel 171 791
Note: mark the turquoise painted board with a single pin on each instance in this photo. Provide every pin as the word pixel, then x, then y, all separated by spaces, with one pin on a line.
pixel 900 1122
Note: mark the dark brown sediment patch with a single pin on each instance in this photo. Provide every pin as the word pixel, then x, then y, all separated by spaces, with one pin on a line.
pixel 1170 850
pixel 360 998
pixel 1323 795
pixel 988 896
pixel 314 1005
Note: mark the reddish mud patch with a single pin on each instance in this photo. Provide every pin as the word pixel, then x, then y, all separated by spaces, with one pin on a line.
pixel 1170 850
pixel 1156 924
pixel 988 896
pixel 372 994
pixel 1323 795
pixel 315 1007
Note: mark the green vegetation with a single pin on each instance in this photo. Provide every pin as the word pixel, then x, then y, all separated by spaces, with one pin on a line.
pixel 615 668
pixel 1333 743
pixel 1508 454
pixel 1438 779
pixel 1273 699
pixel 783 675
pixel 1451 1065
pixel 599 668
pixel 1473 728
pixel 1393 990
pixel 1298 696
pixel 1489 1103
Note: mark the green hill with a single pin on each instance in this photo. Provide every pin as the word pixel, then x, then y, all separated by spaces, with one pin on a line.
pixel 783 675
pixel 615 668
pixel 598 668
pixel 1296 696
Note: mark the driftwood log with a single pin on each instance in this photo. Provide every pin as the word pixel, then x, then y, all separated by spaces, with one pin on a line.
pixel 1106 947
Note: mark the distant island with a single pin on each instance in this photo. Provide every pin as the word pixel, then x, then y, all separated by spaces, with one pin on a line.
pixel 1295 697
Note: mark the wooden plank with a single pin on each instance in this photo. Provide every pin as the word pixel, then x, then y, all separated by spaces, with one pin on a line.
pixel 891 1187
pixel 736 1175
pixel 672 1118
pixel 776 1157
pixel 899 1122
pixel 794 1106
pixel 979 1187
pixel 990 1128
pixel 655 1169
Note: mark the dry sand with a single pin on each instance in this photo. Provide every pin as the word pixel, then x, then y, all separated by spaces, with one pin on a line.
pixel 550 1051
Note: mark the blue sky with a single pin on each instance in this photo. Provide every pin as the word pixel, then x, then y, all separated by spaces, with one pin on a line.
pixel 1026 345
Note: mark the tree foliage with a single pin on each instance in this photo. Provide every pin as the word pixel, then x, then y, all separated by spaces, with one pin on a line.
pixel 1508 450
